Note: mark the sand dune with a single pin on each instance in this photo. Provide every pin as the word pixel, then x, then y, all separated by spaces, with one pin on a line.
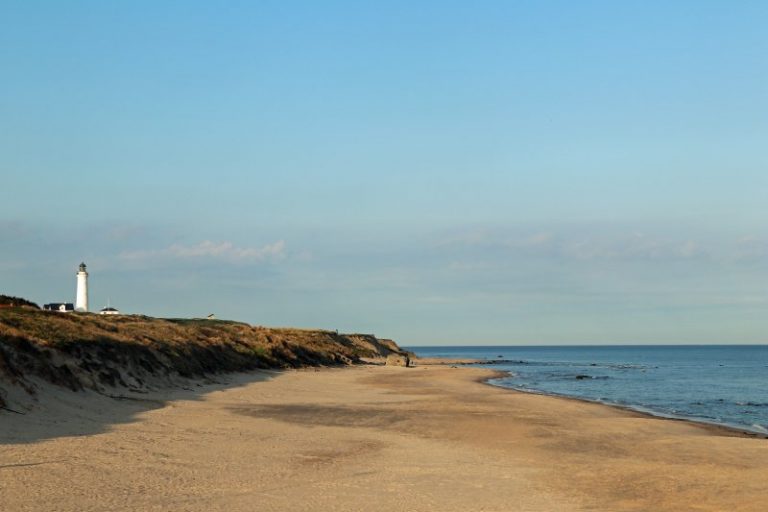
pixel 367 438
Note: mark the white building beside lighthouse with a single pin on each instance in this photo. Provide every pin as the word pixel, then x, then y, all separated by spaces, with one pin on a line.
pixel 81 302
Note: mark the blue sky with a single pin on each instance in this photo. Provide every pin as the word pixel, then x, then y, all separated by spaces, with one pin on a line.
pixel 441 173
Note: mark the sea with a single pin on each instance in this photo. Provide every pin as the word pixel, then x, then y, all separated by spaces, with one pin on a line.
pixel 719 384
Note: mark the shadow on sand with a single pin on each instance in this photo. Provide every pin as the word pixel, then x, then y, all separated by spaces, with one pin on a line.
pixel 59 412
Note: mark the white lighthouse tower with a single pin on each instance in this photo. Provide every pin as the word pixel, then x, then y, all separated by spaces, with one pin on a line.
pixel 81 303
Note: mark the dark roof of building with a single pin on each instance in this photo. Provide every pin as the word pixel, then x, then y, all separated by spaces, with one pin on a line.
pixel 57 305
pixel 109 309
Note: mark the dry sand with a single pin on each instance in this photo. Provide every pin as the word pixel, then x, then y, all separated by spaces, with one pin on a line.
pixel 368 438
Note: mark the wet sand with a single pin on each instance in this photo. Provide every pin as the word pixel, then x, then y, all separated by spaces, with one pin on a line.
pixel 368 438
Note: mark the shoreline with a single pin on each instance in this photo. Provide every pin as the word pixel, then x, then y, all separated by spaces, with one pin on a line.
pixel 731 429
pixel 638 409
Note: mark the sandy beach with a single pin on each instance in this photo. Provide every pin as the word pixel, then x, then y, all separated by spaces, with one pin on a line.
pixel 367 438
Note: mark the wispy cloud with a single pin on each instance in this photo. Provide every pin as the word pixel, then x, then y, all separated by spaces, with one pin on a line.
pixel 634 246
pixel 752 248
pixel 210 251
pixel 582 244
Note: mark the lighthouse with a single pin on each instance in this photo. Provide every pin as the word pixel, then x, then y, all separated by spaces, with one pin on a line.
pixel 81 303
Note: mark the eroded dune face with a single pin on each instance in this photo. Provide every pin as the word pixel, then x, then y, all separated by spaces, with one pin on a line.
pixel 83 351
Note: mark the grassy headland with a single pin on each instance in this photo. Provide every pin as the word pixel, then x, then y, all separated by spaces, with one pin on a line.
pixel 87 351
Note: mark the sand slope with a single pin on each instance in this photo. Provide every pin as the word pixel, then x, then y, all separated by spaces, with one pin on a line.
pixel 368 438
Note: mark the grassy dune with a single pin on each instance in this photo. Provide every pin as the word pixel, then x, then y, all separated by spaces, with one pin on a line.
pixel 80 351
